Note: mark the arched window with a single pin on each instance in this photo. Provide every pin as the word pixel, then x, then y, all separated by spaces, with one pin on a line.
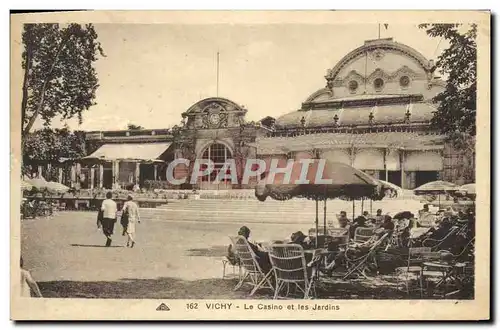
pixel 218 154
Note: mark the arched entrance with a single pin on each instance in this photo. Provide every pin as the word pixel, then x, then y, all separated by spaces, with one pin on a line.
pixel 218 153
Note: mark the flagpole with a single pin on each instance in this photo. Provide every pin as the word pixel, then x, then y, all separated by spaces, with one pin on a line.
pixel 217 74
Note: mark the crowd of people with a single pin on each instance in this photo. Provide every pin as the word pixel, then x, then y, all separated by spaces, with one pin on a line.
pixel 400 224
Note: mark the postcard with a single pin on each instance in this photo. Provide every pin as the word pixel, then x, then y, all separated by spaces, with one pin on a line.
pixel 250 165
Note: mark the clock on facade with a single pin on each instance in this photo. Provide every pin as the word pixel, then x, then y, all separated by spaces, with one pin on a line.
pixel 214 119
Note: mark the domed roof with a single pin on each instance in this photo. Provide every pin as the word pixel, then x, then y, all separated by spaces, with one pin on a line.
pixel 370 110
pixel 382 82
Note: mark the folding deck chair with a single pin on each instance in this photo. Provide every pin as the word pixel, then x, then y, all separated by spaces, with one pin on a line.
pixel 253 273
pixel 434 244
pixel 359 264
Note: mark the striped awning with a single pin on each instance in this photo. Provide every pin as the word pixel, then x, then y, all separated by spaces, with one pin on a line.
pixel 129 152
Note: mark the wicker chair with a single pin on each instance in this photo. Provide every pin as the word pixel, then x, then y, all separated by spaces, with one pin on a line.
pixel 363 234
pixel 290 268
pixel 415 270
pixel 253 273
pixel 427 220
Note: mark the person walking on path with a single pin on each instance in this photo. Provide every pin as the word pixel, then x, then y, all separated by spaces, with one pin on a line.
pixel 107 217
pixel 131 210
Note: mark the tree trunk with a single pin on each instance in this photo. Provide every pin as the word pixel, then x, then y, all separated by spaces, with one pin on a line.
pixel 44 87
pixel 27 68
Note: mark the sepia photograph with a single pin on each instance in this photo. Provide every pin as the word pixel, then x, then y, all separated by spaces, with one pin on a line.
pixel 254 164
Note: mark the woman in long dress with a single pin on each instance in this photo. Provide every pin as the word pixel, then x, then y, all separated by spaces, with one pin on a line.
pixel 133 216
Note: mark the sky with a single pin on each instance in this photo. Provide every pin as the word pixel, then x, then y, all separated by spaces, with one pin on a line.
pixel 154 72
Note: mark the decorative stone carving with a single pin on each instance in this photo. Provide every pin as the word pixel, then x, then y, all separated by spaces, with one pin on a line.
pixel 377 54
pixel 370 118
pixel 329 83
pixel 214 116
pixel 378 84
pixel 214 107
pixel 408 114
pixel 336 120
pixel 303 121
pixel 404 81
pixel 378 73
pixel 353 86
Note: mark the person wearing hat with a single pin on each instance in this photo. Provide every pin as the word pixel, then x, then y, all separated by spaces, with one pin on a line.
pixel 262 256
pixel 132 210
pixel 300 238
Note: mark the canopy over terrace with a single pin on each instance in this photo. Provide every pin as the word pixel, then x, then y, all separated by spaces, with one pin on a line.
pixel 402 158
pixel 342 181
pixel 126 160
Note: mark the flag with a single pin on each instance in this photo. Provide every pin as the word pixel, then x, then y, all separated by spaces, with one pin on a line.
pixel 386 25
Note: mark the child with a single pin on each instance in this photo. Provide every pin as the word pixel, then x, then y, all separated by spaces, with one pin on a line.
pixel 29 287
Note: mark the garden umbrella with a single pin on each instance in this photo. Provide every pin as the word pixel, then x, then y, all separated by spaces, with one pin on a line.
pixel 25 185
pixel 38 183
pixel 57 187
pixel 468 189
pixel 345 182
pixel 436 188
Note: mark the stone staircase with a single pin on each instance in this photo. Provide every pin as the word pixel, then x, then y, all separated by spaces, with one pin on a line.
pixel 253 211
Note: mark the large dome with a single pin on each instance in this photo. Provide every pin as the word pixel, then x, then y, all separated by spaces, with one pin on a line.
pixel 382 82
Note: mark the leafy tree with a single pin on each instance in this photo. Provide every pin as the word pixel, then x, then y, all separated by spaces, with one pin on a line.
pixel 59 78
pixel 50 146
pixel 134 127
pixel 456 112
pixel 456 105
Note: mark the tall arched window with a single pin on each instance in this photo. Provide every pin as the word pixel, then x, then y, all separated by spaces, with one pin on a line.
pixel 218 154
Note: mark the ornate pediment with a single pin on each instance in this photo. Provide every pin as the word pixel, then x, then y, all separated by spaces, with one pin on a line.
pixel 406 71
pixel 353 75
pixel 214 115
pixel 378 73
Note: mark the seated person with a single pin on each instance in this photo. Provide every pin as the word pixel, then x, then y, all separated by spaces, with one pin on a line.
pixel 301 239
pixel 370 220
pixel 261 255
pixel 358 222
pixel 405 215
pixel 343 220
pixel 424 210
pixel 379 217
pixel 387 225
pixel 438 232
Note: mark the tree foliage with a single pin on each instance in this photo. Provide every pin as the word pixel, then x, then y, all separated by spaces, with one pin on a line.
pixel 59 77
pixel 456 105
pixel 134 127
pixel 50 146
pixel 456 112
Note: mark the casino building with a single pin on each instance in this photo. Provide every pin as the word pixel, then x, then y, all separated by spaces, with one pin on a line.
pixel 373 113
